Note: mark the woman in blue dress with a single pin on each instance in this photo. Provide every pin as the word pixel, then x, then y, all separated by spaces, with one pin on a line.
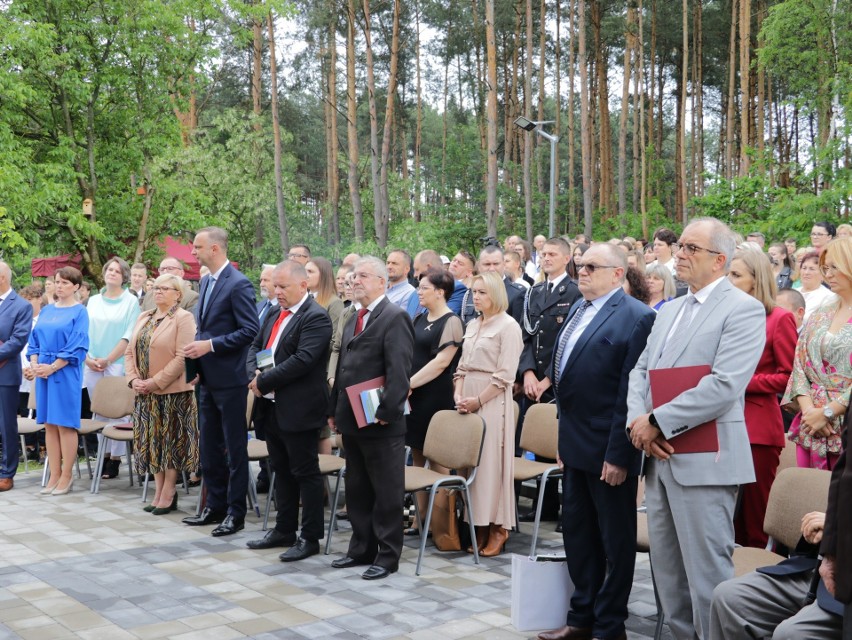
pixel 58 346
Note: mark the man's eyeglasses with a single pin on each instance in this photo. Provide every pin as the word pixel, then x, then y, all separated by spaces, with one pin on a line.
pixel 591 267
pixel 690 249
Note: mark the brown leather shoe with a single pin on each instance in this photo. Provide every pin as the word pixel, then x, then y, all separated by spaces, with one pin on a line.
pixel 567 633
pixel 6 484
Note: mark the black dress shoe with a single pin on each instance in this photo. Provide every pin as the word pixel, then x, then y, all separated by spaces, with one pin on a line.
pixel 375 572
pixel 229 525
pixel 301 550
pixel 207 516
pixel 559 527
pixel 529 516
pixel 345 562
pixel 273 538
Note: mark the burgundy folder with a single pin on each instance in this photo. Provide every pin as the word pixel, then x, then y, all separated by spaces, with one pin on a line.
pixel 354 394
pixel 668 384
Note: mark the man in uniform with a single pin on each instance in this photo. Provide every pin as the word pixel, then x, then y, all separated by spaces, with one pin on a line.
pixel 545 308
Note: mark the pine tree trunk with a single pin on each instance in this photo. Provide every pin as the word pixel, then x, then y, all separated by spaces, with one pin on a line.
pixel 383 223
pixel 604 124
pixel 283 231
pixel 557 99
pixel 684 90
pixel 418 132
pixel 378 211
pixel 625 114
pixel 572 68
pixel 745 85
pixel 352 125
pixel 491 120
pixel 334 181
pixel 585 132
pixel 528 142
pixel 730 112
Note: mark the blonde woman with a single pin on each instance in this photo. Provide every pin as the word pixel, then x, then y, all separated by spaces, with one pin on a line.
pixel 661 285
pixel 752 272
pixel 491 352
pixel 822 372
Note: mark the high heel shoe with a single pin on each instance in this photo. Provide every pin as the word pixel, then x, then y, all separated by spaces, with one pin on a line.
pixel 161 511
pixel 149 508
pixel 481 539
pixel 61 492
pixel 496 542
pixel 46 491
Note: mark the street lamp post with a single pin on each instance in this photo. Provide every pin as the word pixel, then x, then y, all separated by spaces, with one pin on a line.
pixel 529 125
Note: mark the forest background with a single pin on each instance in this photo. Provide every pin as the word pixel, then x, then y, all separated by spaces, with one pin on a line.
pixel 390 122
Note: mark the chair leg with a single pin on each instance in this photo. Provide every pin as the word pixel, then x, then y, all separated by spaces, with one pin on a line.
pixel 99 467
pixel 538 507
pixel 424 527
pixel 661 618
pixel 77 466
pixel 45 472
pixel 130 462
pixel 145 488
pixel 252 494
pixel 86 453
pixel 24 453
pixel 469 505
pixel 269 497
pixel 332 520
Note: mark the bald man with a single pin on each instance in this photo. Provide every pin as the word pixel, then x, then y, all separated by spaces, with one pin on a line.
pixel 174 267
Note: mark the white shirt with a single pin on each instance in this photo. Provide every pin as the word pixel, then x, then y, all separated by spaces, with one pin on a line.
pixel 370 308
pixel 700 297
pixel 295 308
pixel 585 321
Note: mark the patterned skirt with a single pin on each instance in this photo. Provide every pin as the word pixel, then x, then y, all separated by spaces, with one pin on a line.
pixel 165 432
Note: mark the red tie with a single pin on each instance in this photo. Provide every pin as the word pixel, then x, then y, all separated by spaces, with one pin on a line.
pixel 284 313
pixel 359 323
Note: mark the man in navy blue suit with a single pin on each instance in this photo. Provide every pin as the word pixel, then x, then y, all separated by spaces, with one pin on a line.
pixel 602 338
pixel 227 324
pixel 16 321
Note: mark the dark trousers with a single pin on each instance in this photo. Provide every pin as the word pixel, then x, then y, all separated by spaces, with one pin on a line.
pixel 224 459
pixel 754 497
pixel 847 622
pixel 599 531
pixel 293 458
pixel 261 418
pixel 375 487
pixel 9 430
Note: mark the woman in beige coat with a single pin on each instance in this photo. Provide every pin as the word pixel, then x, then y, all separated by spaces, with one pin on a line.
pixel 165 417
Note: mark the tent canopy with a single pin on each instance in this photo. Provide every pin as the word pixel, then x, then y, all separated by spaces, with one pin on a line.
pixel 46 267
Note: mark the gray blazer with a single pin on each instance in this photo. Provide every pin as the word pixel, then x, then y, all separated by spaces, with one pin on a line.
pixel 728 333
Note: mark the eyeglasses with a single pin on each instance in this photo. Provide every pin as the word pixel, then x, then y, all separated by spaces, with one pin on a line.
pixel 170 269
pixel 422 288
pixel 818 235
pixel 163 289
pixel 297 255
pixel 591 267
pixel 690 249
pixel 362 275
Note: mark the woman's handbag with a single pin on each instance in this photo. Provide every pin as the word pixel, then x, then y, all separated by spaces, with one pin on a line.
pixel 445 524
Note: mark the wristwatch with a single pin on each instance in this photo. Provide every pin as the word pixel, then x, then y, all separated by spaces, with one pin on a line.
pixel 828 412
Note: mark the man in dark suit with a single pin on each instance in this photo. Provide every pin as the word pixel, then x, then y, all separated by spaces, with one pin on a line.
pixel 544 311
pixel 263 407
pixel 836 548
pixel 288 358
pixel 598 345
pixel 16 321
pixel 227 324
pixel 379 341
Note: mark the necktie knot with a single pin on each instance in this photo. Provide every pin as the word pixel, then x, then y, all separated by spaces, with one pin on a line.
pixel 359 323
pixel 276 326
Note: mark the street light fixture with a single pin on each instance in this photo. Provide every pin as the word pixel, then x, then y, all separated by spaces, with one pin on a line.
pixel 529 125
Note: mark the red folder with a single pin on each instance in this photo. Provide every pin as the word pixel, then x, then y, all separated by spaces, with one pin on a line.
pixel 668 384
pixel 354 394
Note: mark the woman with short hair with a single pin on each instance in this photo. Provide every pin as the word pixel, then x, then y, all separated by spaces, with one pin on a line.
pixel 811 284
pixel 483 384
pixel 165 415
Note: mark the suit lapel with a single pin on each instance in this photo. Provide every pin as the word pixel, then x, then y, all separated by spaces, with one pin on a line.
pixel 589 332
pixel 295 319
pixel 565 323
pixel 371 319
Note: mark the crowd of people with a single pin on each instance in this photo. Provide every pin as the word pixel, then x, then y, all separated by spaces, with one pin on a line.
pixel 594 327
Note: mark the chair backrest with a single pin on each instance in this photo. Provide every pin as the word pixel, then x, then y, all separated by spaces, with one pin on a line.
pixel 517 412
pixel 788 457
pixel 794 493
pixel 454 440
pixel 541 431
pixel 249 408
pixel 112 398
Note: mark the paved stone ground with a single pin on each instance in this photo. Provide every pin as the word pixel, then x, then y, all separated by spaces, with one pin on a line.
pixel 97 566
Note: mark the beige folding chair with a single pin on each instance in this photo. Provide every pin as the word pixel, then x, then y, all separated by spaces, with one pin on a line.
pixel 112 399
pixel 27 426
pixel 453 441
pixel 540 435
pixel 794 493
pixel 788 457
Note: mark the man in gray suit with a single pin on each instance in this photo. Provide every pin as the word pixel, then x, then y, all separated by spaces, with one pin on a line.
pixel 691 496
